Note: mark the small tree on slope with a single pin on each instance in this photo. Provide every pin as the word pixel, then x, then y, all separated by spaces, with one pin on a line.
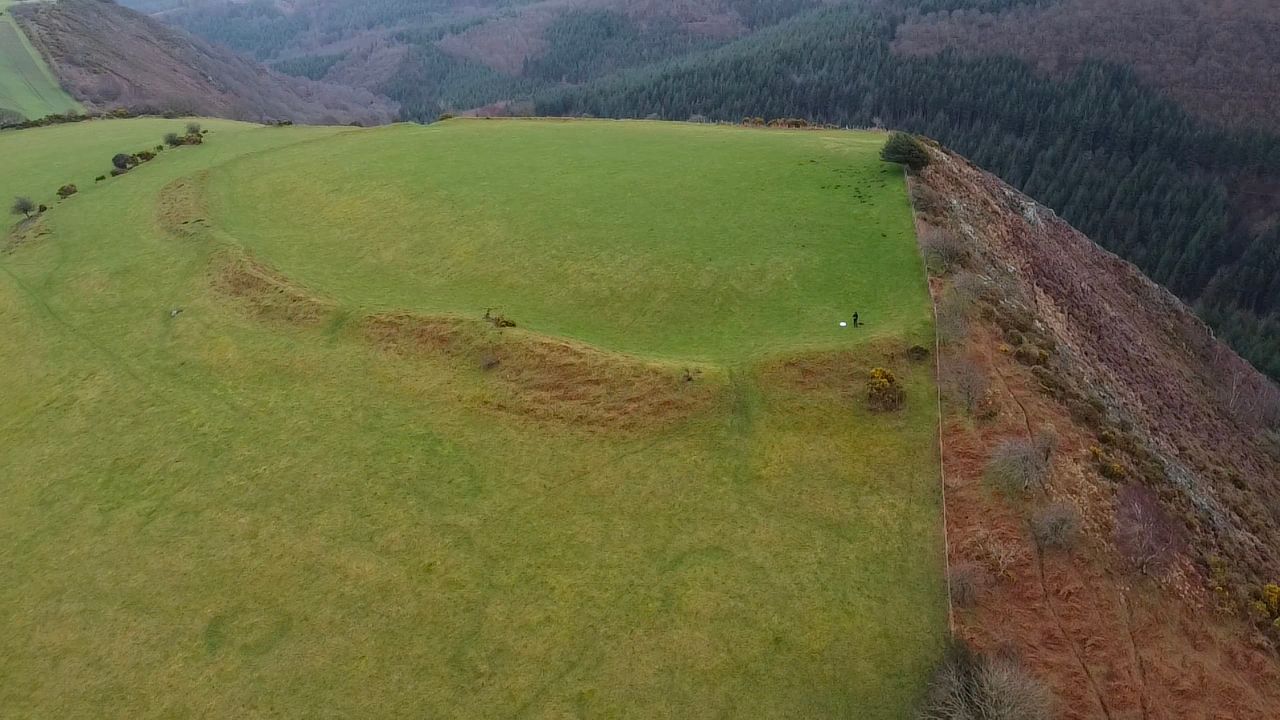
pixel 23 206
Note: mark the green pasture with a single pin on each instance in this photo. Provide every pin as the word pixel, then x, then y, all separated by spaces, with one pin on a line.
pixel 732 242
pixel 209 514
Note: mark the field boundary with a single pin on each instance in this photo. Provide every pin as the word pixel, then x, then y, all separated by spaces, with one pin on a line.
pixel 937 381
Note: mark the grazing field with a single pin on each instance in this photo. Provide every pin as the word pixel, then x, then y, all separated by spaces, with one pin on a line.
pixel 263 457
pixel 53 156
pixel 27 85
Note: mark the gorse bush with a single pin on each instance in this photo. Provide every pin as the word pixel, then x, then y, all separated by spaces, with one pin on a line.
pixel 884 393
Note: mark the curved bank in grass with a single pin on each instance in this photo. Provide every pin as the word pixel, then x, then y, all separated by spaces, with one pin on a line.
pixel 215 513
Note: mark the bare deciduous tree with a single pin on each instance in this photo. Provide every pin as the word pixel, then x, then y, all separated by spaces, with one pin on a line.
pixel 953 317
pixel 944 251
pixel 969 686
pixel 1056 526
pixel 1019 465
pixel 23 206
pixel 966 382
pixel 1144 532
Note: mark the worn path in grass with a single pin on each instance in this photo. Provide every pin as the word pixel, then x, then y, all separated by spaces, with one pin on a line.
pixel 224 514
pixel 27 85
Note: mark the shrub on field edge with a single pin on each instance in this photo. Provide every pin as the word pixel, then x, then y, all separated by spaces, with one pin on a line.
pixel 964 581
pixel 905 149
pixel 943 250
pixel 67 191
pixel 969 685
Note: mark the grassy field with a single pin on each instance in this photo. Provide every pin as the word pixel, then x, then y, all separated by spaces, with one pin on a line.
pixel 733 242
pixel 53 156
pixel 234 512
pixel 27 85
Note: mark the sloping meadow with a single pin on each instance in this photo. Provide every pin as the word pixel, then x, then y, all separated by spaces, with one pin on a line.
pixel 483 419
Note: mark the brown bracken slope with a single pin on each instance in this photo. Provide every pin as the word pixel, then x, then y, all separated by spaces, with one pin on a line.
pixel 1138 393
pixel 108 57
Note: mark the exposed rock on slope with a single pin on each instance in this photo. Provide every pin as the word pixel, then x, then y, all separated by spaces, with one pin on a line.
pixel 108 56
pixel 1139 394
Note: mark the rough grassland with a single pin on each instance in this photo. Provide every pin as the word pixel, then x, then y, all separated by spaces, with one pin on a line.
pixel 232 514
pixel 27 85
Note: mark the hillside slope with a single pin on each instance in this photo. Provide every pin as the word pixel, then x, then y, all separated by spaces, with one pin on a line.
pixel 27 87
pixel 1159 609
pixel 109 56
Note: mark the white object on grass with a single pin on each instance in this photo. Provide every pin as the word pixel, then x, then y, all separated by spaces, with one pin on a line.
pixel 844 324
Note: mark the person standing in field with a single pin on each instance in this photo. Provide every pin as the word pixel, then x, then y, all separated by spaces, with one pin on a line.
pixel 855 319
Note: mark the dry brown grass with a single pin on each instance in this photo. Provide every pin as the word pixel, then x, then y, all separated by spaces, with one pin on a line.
pixel 554 380
pixel 267 295
pixel 180 209
pixel 836 374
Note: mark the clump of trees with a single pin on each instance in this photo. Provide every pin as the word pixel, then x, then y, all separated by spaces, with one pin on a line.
pixel 904 149
pixel 67 191
pixel 970 685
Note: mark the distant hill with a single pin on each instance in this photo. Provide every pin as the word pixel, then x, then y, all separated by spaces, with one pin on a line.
pixel 436 56
pixel 1149 124
pixel 108 56
pixel 1216 58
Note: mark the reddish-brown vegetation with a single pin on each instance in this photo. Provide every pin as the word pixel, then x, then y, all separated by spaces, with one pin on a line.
pixel 1130 380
